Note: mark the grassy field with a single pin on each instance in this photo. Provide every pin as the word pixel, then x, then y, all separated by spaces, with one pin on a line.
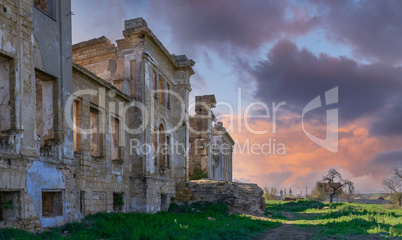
pixel 342 220
pixel 304 218
pixel 186 222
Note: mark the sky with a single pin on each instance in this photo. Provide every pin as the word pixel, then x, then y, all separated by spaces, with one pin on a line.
pixel 269 52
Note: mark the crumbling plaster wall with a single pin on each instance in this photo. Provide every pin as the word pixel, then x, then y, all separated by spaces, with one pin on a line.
pixel 16 32
pixel 29 40
pixel 41 177
pixel 54 38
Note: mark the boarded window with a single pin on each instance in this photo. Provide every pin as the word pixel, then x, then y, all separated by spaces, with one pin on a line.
pixel 168 96
pixel 155 76
pixel 160 92
pixel 77 125
pixel 44 111
pixel 161 147
pixel 5 108
pixel 164 202
pixel 116 153
pixel 10 206
pixel 155 148
pixel 47 6
pixel 96 133
pixel 52 203
pixel 133 76
pixel 82 202
pixel 168 151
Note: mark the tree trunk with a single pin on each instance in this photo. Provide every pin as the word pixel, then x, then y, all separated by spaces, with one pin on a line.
pixel 400 202
pixel 330 198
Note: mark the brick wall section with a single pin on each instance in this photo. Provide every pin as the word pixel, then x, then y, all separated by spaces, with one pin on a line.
pixel 100 177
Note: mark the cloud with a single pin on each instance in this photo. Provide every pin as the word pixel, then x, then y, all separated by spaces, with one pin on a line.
pixel 305 162
pixel 389 121
pixel 229 24
pixel 388 158
pixel 372 28
pixel 297 76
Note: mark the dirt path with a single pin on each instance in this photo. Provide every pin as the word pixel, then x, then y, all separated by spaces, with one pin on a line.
pixel 287 231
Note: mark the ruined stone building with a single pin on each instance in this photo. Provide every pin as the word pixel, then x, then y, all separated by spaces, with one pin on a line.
pixel 38 171
pixel 159 84
pixel 94 127
pixel 211 146
pixel 223 144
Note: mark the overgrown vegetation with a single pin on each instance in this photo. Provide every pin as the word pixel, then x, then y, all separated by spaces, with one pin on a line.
pixel 6 204
pixel 318 193
pixel 394 185
pixel 295 206
pixel 342 220
pixel 270 194
pixel 181 222
pixel 198 173
pixel 213 221
pixel 118 200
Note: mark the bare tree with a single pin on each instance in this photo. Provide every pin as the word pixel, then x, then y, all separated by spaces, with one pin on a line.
pixel 394 184
pixel 348 196
pixel 336 183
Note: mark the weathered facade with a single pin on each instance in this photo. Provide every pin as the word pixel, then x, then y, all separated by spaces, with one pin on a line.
pixel 37 164
pixel 94 127
pixel 64 149
pixel 100 145
pixel 211 146
pixel 159 84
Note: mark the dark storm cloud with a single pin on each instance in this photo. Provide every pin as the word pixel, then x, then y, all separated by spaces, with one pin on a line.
pixel 388 158
pixel 389 122
pixel 297 76
pixel 228 24
pixel 372 28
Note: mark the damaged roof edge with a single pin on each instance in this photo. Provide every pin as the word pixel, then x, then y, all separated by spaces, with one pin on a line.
pixel 92 41
pixel 180 61
pixel 140 26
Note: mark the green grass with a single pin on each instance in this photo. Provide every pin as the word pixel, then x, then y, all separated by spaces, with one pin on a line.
pixel 294 206
pixel 343 219
pixel 183 222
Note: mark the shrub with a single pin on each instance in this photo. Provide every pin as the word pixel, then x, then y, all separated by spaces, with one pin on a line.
pixel 270 194
pixel 198 173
